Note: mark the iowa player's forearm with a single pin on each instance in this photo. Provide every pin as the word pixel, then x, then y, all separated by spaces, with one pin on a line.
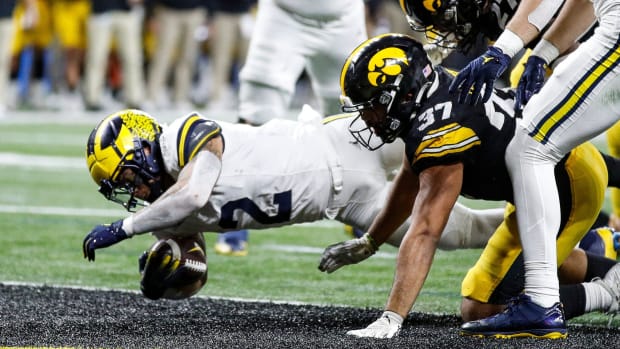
pixel 397 208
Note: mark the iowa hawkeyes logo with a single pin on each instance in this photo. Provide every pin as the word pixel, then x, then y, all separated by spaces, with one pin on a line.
pixel 431 5
pixel 384 64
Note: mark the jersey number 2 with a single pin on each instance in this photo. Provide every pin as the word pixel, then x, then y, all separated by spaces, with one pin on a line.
pixel 283 200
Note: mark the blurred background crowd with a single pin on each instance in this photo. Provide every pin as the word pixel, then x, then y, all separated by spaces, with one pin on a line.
pixel 99 55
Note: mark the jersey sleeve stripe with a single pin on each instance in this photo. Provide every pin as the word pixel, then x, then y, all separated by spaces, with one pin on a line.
pixel 182 138
pixel 577 95
pixel 194 133
pixel 450 139
pixel 202 142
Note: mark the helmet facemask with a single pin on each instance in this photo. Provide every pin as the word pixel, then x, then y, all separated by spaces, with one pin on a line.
pixel 451 25
pixel 146 171
pixel 373 137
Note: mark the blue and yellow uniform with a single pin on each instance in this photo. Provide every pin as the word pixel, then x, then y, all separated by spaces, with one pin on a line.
pixel 446 132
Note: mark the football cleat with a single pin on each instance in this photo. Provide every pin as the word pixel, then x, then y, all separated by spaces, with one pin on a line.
pixel 521 318
pixel 232 244
pixel 611 283
pixel 353 231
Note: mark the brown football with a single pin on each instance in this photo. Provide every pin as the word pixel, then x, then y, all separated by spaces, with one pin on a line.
pixel 176 268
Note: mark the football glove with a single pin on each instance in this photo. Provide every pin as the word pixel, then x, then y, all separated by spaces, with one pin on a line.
pixel 347 252
pixel 531 81
pixel 483 70
pixel 102 236
pixel 387 326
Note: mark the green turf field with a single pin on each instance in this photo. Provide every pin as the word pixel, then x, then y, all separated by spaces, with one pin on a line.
pixel 48 203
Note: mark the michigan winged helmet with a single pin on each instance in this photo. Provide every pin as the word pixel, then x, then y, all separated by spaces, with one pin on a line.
pixel 127 139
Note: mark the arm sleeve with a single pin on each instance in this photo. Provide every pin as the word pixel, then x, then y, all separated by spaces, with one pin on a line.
pixel 189 193
pixel 541 16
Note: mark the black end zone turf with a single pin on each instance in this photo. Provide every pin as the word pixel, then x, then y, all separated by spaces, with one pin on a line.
pixel 54 317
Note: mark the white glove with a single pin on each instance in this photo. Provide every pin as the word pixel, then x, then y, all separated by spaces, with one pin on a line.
pixel 347 252
pixel 387 326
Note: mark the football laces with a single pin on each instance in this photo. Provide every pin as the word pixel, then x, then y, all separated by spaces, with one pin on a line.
pixel 196 265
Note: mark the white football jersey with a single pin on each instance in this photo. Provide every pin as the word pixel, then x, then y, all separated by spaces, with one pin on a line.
pixel 277 174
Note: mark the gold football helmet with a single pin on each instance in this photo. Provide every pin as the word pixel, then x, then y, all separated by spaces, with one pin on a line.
pixel 128 139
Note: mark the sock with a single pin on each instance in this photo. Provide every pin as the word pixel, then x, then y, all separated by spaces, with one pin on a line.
pixel 597 298
pixel 234 237
pixel 543 285
pixel 573 299
pixel 598 266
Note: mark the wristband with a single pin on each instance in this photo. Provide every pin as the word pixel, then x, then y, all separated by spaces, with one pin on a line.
pixel 509 42
pixel 371 241
pixel 546 50
pixel 392 316
pixel 128 226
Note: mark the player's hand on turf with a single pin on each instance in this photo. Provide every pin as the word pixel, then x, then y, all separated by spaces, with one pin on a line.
pixel 347 252
pixel 531 81
pixel 482 71
pixel 387 326
pixel 102 236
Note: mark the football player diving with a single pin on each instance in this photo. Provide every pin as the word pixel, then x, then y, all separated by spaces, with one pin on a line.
pixel 453 149
pixel 204 176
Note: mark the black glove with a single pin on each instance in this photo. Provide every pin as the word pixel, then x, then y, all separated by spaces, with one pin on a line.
pixel 483 70
pixel 102 236
pixel 531 81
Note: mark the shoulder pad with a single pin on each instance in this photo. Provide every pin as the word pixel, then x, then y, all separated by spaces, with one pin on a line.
pixel 195 131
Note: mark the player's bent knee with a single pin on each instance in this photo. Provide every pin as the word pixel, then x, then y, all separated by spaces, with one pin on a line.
pixel 473 310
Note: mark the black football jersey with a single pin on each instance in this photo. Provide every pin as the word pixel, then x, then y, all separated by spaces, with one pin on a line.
pixel 493 22
pixel 447 132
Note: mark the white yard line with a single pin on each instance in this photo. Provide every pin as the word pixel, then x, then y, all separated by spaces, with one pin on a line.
pixel 41 161
pixel 61 211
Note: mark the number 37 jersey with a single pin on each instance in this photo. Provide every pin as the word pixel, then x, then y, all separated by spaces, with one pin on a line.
pixel 446 132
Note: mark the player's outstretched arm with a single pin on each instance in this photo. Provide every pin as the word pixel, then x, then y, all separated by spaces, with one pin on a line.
pixel 438 191
pixel 190 192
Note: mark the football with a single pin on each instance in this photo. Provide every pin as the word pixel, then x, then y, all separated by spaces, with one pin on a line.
pixel 174 268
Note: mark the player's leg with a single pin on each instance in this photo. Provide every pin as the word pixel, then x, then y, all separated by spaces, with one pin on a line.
pixel 233 243
pixel 99 35
pixel 556 120
pixel 499 273
pixel 328 46
pixel 588 283
pixel 273 64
